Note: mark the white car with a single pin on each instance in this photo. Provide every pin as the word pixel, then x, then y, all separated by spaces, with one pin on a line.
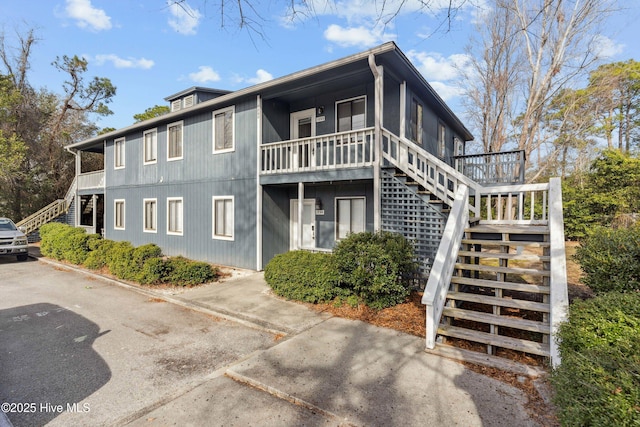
pixel 12 240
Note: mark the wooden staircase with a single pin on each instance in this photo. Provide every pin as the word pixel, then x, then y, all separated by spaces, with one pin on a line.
pixel 498 298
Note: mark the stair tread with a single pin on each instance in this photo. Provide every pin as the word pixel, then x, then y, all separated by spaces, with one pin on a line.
pixel 495 319
pixel 509 229
pixel 502 255
pixel 501 302
pixel 523 287
pixel 518 344
pixel 486 242
pixel 506 270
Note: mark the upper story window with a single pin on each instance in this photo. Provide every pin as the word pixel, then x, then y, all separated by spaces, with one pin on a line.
pixel 118 153
pixel 150 215
pixel 188 101
pixel 150 147
pixel 223 130
pixel 351 114
pixel 415 121
pixel 442 132
pixel 174 141
pixel 176 105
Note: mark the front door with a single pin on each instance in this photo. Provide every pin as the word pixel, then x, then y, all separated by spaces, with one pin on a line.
pixel 308 224
pixel 303 125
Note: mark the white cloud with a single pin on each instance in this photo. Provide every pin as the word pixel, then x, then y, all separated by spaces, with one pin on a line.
pixel 118 62
pixel 442 73
pixel 184 19
pixel 87 16
pixel 604 47
pixel 355 36
pixel 205 74
pixel 261 77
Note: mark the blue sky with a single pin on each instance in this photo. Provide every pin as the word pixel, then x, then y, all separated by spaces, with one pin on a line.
pixel 151 50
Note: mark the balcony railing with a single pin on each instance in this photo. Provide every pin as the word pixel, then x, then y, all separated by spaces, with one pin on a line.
pixel 493 168
pixel 91 180
pixel 325 152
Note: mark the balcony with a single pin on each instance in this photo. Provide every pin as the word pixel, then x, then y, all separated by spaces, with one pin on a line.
pixel 344 150
pixel 493 168
pixel 90 180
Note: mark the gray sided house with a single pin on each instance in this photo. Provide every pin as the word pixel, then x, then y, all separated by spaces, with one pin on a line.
pixel 235 178
pixel 300 162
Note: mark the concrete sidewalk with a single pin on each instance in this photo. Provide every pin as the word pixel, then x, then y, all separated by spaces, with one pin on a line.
pixel 331 371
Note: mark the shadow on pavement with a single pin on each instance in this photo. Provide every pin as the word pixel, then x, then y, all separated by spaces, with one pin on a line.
pixel 47 363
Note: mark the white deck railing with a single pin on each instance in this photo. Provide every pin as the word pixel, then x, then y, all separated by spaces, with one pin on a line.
pixel 325 152
pixel 525 204
pixel 91 180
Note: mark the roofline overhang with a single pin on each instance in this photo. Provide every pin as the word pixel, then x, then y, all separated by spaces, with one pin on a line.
pixel 261 87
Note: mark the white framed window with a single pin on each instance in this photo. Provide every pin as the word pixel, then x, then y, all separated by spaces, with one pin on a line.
pixel 150 215
pixel 174 216
pixel 223 217
pixel 415 121
pixel 351 114
pixel 118 214
pixel 150 146
pixel 442 132
pixel 350 216
pixel 223 130
pixel 174 141
pixel 176 105
pixel 118 153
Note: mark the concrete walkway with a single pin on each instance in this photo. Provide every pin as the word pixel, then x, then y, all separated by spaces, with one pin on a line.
pixel 341 372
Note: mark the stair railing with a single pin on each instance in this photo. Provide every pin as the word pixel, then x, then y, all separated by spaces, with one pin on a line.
pixel 439 178
pixel 435 292
pixel 525 204
pixel 559 299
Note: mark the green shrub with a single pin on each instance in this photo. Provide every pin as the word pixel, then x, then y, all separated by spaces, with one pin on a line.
pixel 373 266
pixel 598 381
pixel 63 242
pixel 184 272
pixel 98 253
pixel 610 259
pixel 154 271
pixel 303 276
pixel 120 261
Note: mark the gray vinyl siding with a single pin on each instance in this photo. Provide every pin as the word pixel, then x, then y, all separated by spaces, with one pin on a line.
pixel 197 177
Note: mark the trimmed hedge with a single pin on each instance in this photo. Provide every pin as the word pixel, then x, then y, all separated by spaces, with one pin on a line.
pixel 143 264
pixel 364 267
pixel 598 382
pixel 610 259
pixel 303 276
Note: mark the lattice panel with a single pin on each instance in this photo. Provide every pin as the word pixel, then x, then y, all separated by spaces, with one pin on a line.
pixel 406 212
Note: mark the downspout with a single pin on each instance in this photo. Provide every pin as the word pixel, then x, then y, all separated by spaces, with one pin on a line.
pixel 378 102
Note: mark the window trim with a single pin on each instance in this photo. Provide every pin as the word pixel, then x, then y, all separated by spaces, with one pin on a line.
pixel 233 129
pixel 116 151
pixel 144 146
pixel 144 216
pixel 215 236
pixel 115 214
pixel 442 140
pixel 364 214
pixel 417 128
pixel 181 124
pixel 342 101
pixel 176 105
pixel 169 232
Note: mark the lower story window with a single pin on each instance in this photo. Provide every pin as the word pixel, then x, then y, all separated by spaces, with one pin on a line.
pixel 150 215
pixel 118 214
pixel 223 217
pixel 174 216
pixel 350 216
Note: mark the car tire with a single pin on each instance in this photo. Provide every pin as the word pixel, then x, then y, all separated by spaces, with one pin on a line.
pixel 23 257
